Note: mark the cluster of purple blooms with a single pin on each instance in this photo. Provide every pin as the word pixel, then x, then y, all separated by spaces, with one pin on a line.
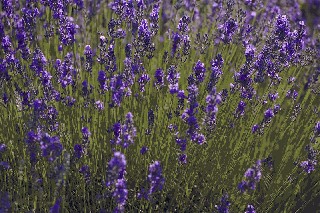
pixel 309 165
pixel 124 133
pixel 116 180
pixel 3 164
pixel 155 180
pixel 279 47
pixel 253 176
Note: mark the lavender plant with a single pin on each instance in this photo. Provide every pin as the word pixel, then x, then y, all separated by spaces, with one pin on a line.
pixel 166 106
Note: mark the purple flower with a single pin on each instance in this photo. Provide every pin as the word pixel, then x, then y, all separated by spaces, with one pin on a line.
pixel 250 209
pixel 213 100
pixel 116 168
pixel 85 132
pixel 227 30
pixel 6 44
pixel 241 107
pixel 143 80
pixel 183 24
pixel 176 39
pixel 50 146
pixel 199 71
pixel 102 77
pixel 295 95
pixel 128 130
pixel 99 105
pixel 224 206
pixel 120 193
pixel 118 89
pixel 89 61
pixel 159 78
pixel 242 186
pixel 4 165
pixel 78 151
pixel 154 18
pixel 308 166
pixel 183 158
pixel 5 98
pixel 273 96
pixel 155 177
pixel 56 207
pixel 117 133
pixel 144 150
pixel 216 71
pixel 268 114
pixel 253 176
pixel 67 30
pixel 173 79
pixel 3 148
pixel 276 108
pixel 282 27
pixel 317 128
pixel 249 53
pixel 182 143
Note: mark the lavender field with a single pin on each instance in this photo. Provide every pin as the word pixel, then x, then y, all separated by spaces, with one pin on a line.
pixel 159 106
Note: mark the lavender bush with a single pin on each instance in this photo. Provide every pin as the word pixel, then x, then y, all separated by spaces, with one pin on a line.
pixel 159 106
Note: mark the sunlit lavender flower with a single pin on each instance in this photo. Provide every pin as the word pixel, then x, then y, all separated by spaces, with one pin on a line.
pixel 308 166
pixel 250 209
pixel 173 79
pixel 227 30
pixel 216 72
pixel 183 24
pixel 67 30
pixel 241 107
pixel 99 105
pixel 213 100
pixel 85 132
pixel 143 80
pixel 120 193
pixel 117 87
pixel 155 178
pixel 249 53
pixel 116 168
pixel 176 39
pixel 276 108
pixel 295 95
pixel 117 133
pixel 128 130
pixel 273 96
pixel 159 78
pixel 6 44
pixel 253 176
pixel 182 143
pixel 282 27
pixel 154 18
pixel 89 61
pixel 102 77
pixel 199 71
pixel 268 114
